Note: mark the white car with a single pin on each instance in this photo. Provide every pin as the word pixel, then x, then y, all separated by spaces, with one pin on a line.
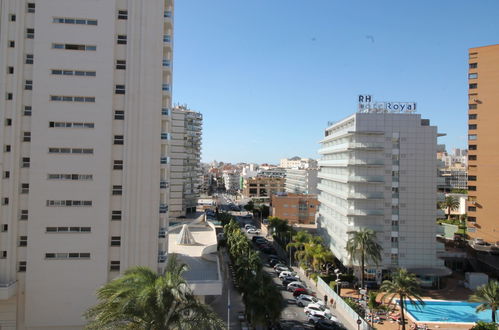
pixel 316 309
pixel 253 231
pixel 280 269
pixel 305 299
pixel 287 273
pixel 313 318
pixel 248 226
pixel 295 285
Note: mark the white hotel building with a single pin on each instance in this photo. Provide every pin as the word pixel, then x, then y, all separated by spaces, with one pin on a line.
pixel 379 171
pixel 85 93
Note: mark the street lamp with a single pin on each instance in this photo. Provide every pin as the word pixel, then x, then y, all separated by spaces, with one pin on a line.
pixel 337 272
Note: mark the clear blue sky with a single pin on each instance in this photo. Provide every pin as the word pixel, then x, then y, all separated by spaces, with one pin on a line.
pixel 268 75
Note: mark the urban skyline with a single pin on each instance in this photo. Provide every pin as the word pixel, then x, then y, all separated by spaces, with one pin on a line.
pixel 252 82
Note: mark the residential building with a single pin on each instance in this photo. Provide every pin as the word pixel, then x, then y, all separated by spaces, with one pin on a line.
pixel 231 179
pixel 301 181
pixel 274 172
pixel 296 208
pixel 483 164
pixel 249 171
pixel 378 171
pixel 86 93
pixel 185 168
pixel 262 186
pixel 297 162
pixel 455 177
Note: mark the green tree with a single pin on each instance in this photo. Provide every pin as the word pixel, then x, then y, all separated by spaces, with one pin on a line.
pixel 224 218
pixel 281 230
pixel 480 325
pixel 298 242
pixel 449 204
pixel 250 206
pixel 143 299
pixel 404 285
pixel 362 246
pixel 488 296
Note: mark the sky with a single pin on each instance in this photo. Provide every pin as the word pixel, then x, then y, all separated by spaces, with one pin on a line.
pixel 268 75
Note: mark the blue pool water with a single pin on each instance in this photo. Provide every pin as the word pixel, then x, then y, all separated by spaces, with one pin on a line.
pixel 448 311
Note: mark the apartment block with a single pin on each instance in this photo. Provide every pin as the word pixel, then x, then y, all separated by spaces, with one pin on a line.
pixel 483 154
pixel 296 208
pixel 85 96
pixel 379 171
pixel 232 180
pixel 301 180
pixel 185 165
pixel 262 186
pixel 297 162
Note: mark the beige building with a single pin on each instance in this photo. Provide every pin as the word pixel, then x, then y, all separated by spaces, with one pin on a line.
pixel 85 104
pixel 483 157
pixel 185 165
pixel 297 162
pixel 296 208
pixel 262 186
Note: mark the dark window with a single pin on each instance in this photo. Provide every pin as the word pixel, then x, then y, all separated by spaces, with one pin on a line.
pixel 29 58
pixel 25 162
pixel 119 115
pixel 12 43
pixel 121 40
pixel 115 240
pixel 473 65
pixel 6 174
pixel 8 122
pixel 24 188
pixel 120 89
pixel 120 64
pixel 23 215
pixel 472 126
pixel 116 215
pixel 5 201
pixel 114 265
pixel 28 85
pixel 26 136
pixel 472 147
pixel 472 157
pixel 10 70
pixel 472 116
pixel 22 266
pixel 30 33
pixel 472 188
pixel 472 219
pixel 119 139
pixel 122 14
pixel 472 208
pixel 118 165
pixel 471 177
pixel 472 106
pixel 27 110
pixel 31 8
pixel 117 190
pixel 10 96
pixel 23 240
pixel 6 148
pixel 473 86
pixel 12 18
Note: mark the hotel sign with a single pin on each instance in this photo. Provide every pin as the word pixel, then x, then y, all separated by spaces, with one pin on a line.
pixel 368 105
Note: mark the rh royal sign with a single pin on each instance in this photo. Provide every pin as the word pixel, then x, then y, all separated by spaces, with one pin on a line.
pixel 368 105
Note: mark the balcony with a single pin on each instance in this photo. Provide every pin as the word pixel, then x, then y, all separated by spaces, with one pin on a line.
pixel 351 194
pixel 364 212
pixel 7 290
pixel 351 162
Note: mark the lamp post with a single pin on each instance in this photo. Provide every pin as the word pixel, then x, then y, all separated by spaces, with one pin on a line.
pixel 337 272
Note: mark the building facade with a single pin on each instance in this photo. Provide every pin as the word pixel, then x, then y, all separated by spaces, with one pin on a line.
pixel 86 93
pixel 185 167
pixel 262 186
pixel 296 208
pixel 232 180
pixel 379 171
pixel 483 154
pixel 301 181
pixel 297 162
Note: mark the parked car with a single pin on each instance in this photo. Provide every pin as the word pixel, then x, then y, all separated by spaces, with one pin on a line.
pixel 305 300
pixel 280 269
pixel 315 318
pixel 316 309
pixel 299 291
pixel 255 238
pixel 295 285
pixel 276 262
pixel 289 279
pixel 253 231
pixel 248 226
pixel 326 324
pixel 289 276
pixel 287 273
pixel 279 264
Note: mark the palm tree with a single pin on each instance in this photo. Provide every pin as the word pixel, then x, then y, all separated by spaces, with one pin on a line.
pixel 264 302
pixel 450 203
pixel 488 296
pixel 362 246
pixel 143 299
pixel 404 285
pixel 298 241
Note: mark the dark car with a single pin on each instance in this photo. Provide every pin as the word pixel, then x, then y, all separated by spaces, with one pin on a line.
pixel 328 325
pixel 255 238
pixel 273 262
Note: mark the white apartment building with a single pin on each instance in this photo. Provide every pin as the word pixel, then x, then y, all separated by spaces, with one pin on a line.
pixel 232 180
pixel 379 171
pixel 297 162
pixel 301 181
pixel 185 167
pixel 85 93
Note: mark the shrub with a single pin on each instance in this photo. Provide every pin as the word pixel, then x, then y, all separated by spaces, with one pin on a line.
pixel 355 306
pixel 484 326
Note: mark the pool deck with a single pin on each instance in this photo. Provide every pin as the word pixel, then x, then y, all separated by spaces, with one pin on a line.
pixel 452 291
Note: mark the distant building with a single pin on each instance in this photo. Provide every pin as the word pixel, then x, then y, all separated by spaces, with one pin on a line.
pixel 454 177
pixel 275 172
pixel 296 208
pixel 249 171
pixel 301 181
pixel 231 180
pixel 297 162
pixel 262 187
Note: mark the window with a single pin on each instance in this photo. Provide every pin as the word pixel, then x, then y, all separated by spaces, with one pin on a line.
pixel 63 98
pixel 472 157
pixel 167 14
pixel 472 137
pixel 24 188
pixel 116 215
pixel 28 85
pixel 122 14
pixel 473 86
pixel 31 8
pixel 30 33
pixel 117 190
pixel 472 147
pixel 119 115
pixel 12 17
pixel 74 47
pixel 62 124
pixel 27 110
pixel 3 254
pixel 120 89
pixel 22 266
pixel 29 59
pixel 163 160
pixel 70 255
pixel 9 96
pixel 23 215
pixel 79 73
pixel 26 136
pixel 68 229
pixel 68 203
pixel 119 139
pixel 165 111
pixel 25 162
pixel 166 63
pixel 120 64
pixel 6 148
pixel 80 21
pixel 471 177
pixel 471 219
pixel 12 44
pixel 472 126
pixel 23 240
pixel 114 266
pixel 121 40
pixel 6 174
pixel 118 165
pixel 472 75
pixel 10 70
pixel 472 116
pixel 4 228
pixel 473 65
pixel 8 122
pixel 115 240
pixel 166 87
pixel 472 188
pixel 166 38
pixel 72 177
pixel 71 151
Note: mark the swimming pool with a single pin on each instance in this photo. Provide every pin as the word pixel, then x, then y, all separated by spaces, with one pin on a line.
pixel 448 312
